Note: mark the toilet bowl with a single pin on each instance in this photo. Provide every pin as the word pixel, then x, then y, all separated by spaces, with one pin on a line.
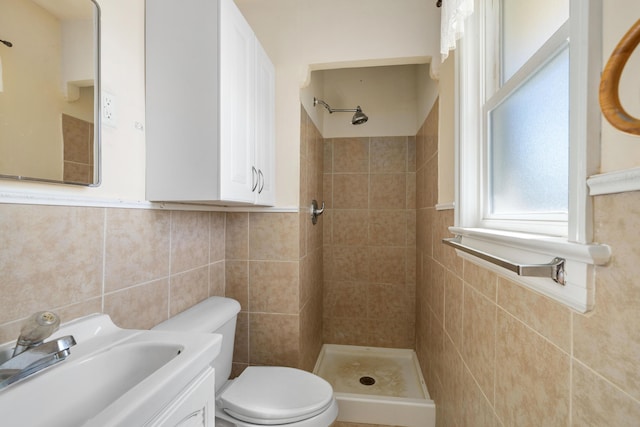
pixel 260 395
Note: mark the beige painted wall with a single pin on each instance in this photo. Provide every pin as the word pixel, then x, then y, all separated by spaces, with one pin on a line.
pixel 392 97
pixel 31 99
pixel 620 150
pixel 299 36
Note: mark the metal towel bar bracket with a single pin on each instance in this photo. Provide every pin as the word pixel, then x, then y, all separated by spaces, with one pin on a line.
pixel 553 270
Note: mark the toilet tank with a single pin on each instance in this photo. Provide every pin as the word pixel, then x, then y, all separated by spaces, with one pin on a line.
pixel 213 315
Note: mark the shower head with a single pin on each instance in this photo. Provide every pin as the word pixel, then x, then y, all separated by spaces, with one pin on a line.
pixel 358 118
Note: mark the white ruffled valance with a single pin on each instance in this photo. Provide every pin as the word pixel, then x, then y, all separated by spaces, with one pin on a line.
pixel 454 12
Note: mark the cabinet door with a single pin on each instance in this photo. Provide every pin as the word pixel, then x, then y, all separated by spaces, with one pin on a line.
pixel 194 407
pixel 265 127
pixel 238 174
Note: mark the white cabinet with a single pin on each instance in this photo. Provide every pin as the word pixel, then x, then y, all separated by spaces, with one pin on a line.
pixel 210 103
pixel 193 407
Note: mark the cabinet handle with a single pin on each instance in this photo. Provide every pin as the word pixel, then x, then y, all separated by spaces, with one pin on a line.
pixel 254 180
pixel 260 178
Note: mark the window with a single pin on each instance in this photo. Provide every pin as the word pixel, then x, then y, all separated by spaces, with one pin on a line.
pixel 528 138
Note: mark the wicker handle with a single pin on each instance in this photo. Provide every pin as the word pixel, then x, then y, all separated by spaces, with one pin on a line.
pixel 609 98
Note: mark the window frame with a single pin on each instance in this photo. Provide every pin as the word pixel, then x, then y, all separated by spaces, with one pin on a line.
pixel 572 242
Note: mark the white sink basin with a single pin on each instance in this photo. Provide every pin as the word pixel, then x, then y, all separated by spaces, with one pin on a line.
pixel 113 377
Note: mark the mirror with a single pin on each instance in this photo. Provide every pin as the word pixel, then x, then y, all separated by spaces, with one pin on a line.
pixel 49 91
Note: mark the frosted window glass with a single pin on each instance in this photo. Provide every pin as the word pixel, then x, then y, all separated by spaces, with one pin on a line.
pixel 526 26
pixel 529 148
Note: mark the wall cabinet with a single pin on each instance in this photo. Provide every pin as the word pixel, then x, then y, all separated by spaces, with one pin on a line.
pixel 210 106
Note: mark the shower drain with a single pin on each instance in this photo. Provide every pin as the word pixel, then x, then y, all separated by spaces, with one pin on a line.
pixel 367 381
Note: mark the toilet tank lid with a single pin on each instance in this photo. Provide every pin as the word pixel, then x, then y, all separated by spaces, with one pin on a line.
pixel 206 316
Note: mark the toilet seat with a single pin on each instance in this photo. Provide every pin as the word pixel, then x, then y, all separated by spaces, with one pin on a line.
pixel 271 395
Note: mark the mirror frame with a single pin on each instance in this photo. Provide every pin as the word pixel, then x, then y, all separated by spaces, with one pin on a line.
pixel 97 114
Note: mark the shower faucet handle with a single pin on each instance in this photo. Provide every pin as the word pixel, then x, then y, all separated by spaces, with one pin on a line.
pixel 315 212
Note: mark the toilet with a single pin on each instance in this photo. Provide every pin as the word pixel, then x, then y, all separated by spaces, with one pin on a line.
pixel 261 395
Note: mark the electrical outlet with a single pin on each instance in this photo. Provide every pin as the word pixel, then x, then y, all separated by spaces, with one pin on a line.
pixel 109 109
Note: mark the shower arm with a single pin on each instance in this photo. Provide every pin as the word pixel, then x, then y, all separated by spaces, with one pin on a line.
pixel 317 101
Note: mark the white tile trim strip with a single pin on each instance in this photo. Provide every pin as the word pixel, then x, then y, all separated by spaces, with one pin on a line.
pixel 614 182
pixel 34 198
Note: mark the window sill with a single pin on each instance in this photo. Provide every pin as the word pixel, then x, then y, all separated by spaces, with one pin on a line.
pixel 519 248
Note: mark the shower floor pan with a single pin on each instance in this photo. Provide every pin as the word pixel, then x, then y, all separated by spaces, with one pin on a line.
pixel 377 385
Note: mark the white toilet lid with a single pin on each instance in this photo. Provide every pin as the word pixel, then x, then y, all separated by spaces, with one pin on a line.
pixel 275 395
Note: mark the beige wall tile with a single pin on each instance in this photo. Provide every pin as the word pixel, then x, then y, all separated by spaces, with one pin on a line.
pixel 350 227
pixel 273 339
pixel 350 191
pixel 388 191
pixel 607 339
pixel 77 135
pixel 241 345
pixel 311 332
pixel 190 240
pixel 274 236
pixel 454 298
pixel 49 257
pixel 479 331
pixel 411 191
pixel 387 228
pixel 273 287
pixel 411 154
pixel 217 279
pixel 327 227
pixel 237 235
pixel 237 282
pixel 349 263
pixel 345 330
pixel 137 247
pixel 327 190
pixel 387 265
pixel 476 409
pixel 483 280
pixel 216 244
pixel 532 377
pixel 139 307
pixel 328 156
pixel 452 386
pixel 435 288
pixel 345 299
pixel 188 289
pixel 311 276
pixel 598 403
pixel 543 315
pixel 350 155
pixel 389 154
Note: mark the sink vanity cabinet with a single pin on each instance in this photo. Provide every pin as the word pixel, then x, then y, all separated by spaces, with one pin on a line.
pixel 210 106
pixel 194 406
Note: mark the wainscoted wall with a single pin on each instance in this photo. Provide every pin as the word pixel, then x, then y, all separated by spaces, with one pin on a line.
pixel 369 241
pixel 494 353
pixel 139 266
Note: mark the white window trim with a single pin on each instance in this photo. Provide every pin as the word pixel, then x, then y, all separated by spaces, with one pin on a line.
pixel 577 248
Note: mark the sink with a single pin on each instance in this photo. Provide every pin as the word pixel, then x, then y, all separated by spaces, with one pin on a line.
pixel 113 376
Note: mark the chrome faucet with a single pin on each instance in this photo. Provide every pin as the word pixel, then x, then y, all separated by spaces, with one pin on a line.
pixel 31 353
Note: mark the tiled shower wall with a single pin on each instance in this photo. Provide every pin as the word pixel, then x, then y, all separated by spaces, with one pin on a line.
pixel 494 353
pixel 369 241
